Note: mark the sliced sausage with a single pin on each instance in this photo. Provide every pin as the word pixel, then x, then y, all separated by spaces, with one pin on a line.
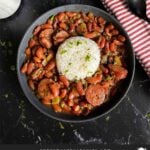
pixel 95 94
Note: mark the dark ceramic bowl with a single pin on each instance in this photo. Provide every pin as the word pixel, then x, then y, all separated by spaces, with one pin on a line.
pixel 102 110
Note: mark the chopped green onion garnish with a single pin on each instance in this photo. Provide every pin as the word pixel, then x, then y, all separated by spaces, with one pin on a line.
pixel 66 71
pixel 61 125
pixel 51 17
pixel 87 58
pixel 56 100
pixel 79 42
pixel 70 64
pixel 63 51
pixel 62 105
pixel 90 72
pixel 147 115
pixel 108 78
pixel 71 43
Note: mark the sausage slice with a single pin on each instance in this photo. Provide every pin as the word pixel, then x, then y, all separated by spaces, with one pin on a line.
pixel 95 94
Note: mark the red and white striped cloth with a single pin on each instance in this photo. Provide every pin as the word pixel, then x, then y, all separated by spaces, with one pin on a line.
pixel 137 29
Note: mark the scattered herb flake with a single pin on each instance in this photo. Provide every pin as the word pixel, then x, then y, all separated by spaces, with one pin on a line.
pixel 63 134
pixel 71 125
pixel 107 118
pixel 85 42
pixel 2 43
pixel 87 57
pixel 71 43
pixel 108 78
pixel 6 95
pixel 23 116
pixel 89 72
pixel 70 46
pixel 61 125
pixel 128 98
pixel 22 108
pixel 56 100
pixel 79 42
pixel 66 71
pixel 12 68
pixel 63 52
pixel 21 105
pixel 75 78
pixel 147 115
pixel 70 64
pixel 52 17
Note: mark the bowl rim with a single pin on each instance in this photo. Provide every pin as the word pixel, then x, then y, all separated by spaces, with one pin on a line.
pixel 86 119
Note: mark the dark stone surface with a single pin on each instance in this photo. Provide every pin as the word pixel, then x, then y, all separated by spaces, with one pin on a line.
pixel 20 122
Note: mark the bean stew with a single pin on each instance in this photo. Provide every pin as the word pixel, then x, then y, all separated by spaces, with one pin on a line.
pixel 77 97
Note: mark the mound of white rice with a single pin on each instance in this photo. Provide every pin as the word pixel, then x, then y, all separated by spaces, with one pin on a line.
pixel 78 58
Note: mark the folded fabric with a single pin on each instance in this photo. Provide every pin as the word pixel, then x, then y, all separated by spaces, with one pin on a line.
pixel 137 29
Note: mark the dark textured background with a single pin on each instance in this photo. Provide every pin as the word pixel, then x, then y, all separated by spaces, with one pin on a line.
pixel 20 122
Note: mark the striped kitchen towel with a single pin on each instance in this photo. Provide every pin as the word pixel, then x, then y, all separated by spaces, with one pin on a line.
pixel 137 29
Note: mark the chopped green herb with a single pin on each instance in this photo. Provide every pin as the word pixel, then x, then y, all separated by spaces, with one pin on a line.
pixel 63 134
pixel 108 78
pixel 70 46
pixel 90 72
pixel 66 71
pixel 75 79
pixel 23 116
pixel 87 57
pixel 147 115
pixel 61 125
pixel 56 100
pixel 12 68
pixel 107 118
pixel 6 95
pixel 85 42
pixel 63 52
pixel 71 43
pixel 36 73
pixel 128 98
pixel 22 108
pixel 62 105
pixel 71 125
pixel 2 43
pixel 70 64
pixel 79 42
pixel 52 17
